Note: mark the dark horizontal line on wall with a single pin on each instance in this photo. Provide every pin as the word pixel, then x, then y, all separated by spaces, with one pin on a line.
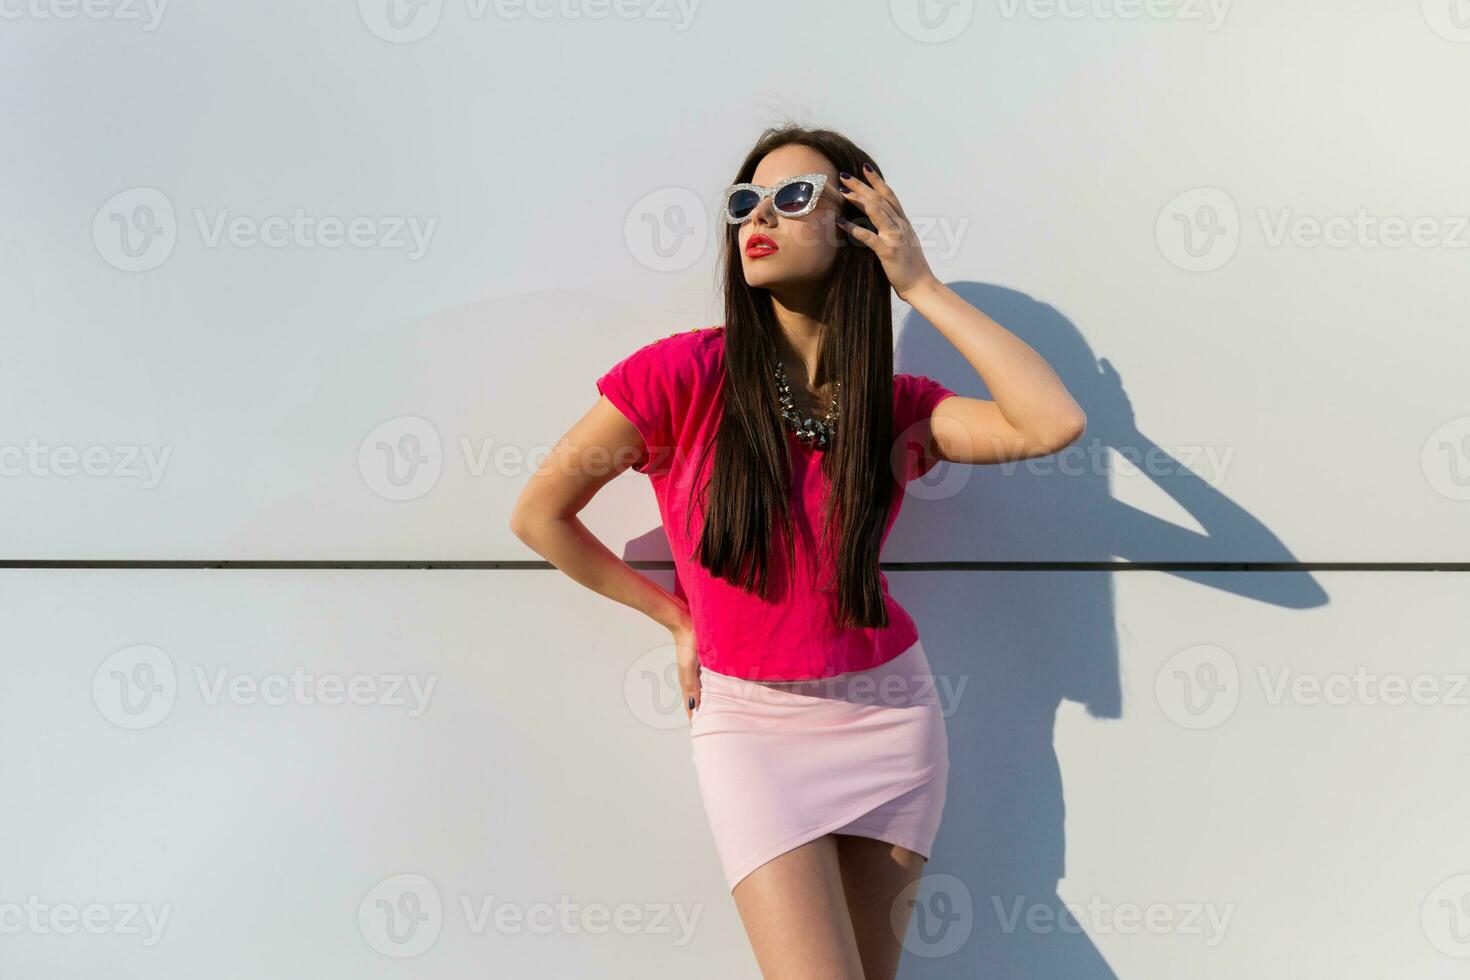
pixel 897 566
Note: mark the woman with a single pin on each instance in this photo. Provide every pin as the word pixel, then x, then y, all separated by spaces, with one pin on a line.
pixel 778 444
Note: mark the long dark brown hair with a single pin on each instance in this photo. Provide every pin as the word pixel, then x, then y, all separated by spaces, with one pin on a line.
pixel 747 498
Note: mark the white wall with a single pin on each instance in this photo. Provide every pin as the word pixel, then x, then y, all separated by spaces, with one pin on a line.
pixel 1107 182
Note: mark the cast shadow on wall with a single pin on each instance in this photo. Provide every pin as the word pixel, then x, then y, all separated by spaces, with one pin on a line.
pixel 1029 640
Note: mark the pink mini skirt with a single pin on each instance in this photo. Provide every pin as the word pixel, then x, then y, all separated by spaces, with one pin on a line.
pixel 780 763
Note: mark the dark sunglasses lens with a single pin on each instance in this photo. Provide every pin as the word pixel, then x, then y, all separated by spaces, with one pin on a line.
pixel 742 202
pixel 794 197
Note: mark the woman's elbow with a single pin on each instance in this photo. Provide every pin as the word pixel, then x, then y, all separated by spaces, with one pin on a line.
pixel 1073 430
pixel 1063 434
pixel 525 522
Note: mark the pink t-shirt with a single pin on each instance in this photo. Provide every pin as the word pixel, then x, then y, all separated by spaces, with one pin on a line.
pixel 672 392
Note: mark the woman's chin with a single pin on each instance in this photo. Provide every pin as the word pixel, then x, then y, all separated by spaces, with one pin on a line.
pixel 766 272
pixel 757 276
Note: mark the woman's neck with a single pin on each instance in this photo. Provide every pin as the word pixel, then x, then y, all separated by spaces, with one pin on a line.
pixel 801 331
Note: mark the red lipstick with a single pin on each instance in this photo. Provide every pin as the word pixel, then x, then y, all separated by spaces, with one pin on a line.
pixel 758 245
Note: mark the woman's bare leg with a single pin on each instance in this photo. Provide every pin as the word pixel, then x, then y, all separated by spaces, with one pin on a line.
pixel 795 913
pixel 874 874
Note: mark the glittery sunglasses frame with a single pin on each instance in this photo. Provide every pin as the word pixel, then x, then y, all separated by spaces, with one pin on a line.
pixel 817 180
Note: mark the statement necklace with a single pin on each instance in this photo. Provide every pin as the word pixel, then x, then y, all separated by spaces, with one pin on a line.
pixel 813 432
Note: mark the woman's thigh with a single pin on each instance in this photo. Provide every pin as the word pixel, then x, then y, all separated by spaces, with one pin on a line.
pixel 795 913
pixel 875 875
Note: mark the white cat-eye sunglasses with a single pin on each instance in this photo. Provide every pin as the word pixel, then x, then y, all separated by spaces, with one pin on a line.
pixel 792 197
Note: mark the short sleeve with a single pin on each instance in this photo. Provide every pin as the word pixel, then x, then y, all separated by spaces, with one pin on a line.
pixel 640 387
pixel 916 397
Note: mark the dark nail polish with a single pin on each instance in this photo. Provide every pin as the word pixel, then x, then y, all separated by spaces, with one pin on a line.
pixel 845 174
pixel 845 190
pixel 691 704
pixel 867 166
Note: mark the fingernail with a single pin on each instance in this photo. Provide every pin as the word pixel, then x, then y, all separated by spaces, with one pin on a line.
pixel 845 190
pixel 691 704
pixel 845 174
pixel 867 166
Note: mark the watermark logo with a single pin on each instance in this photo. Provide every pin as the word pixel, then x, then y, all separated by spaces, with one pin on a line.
pixel 667 230
pixel 941 915
pixel 1450 19
pixel 136 687
pixel 404 915
pixel 1198 687
pixel 401 21
pixel 1207 920
pixel 407 21
pixel 651 689
pixel 401 916
pixel 932 21
pixel 571 917
pixel 1199 229
pixel 135 230
pixel 402 458
pixel 1201 686
pixel 1445 459
pixel 1445 916
pixel 939 482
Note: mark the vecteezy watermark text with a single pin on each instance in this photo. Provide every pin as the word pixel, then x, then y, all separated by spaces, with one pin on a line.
pixel 39 918
pixel 137 229
pixel 407 21
pixel 136 688
pixel 149 13
pixel 37 460
pixel 403 915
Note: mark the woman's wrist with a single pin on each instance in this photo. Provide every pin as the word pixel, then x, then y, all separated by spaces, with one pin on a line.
pixel 921 291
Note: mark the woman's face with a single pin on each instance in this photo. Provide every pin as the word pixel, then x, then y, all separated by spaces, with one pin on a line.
pixel 805 247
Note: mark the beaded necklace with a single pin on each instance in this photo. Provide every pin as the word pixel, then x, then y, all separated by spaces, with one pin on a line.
pixel 816 433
